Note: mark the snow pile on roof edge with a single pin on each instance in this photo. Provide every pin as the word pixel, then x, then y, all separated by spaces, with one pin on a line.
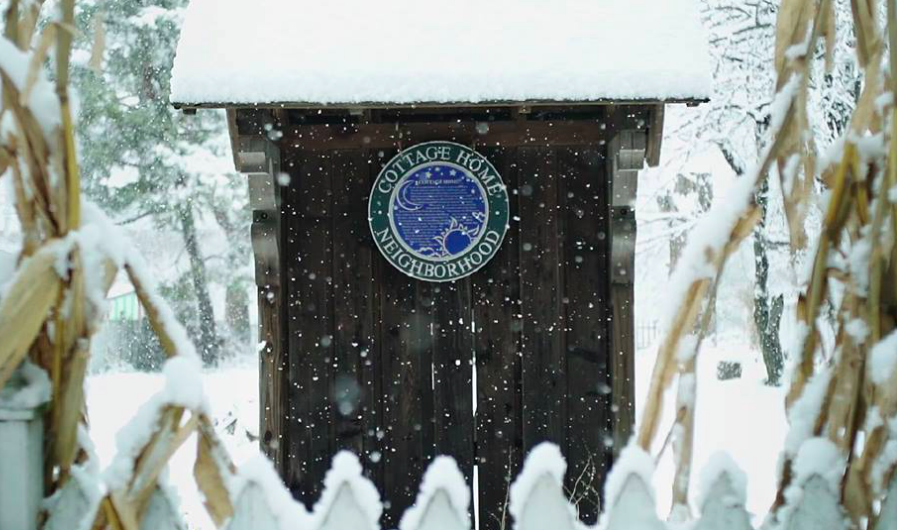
pixel 397 51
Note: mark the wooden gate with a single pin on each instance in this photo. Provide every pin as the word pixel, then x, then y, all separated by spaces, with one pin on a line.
pixel 358 356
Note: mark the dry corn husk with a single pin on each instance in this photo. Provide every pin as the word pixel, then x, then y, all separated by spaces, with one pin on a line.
pixel 858 212
pixel 34 291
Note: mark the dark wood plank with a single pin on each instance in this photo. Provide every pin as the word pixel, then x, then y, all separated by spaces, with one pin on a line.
pixel 586 296
pixel 310 313
pixel 544 378
pixel 406 394
pixel 499 421
pixel 296 450
pixel 375 446
pixel 453 373
pixel 486 134
pixel 622 367
pixel 231 117
pixel 655 136
pixel 272 367
pixel 353 307
pixel 404 354
pixel 421 325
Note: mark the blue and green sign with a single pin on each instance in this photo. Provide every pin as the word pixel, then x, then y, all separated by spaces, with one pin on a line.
pixel 438 211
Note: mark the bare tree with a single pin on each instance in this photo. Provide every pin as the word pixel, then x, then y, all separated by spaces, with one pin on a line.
pixel 742 36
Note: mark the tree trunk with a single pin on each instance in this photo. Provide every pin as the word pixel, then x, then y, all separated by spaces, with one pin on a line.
pixel 766 316
pixel 236 301
pixel 236 313
pixel 208 337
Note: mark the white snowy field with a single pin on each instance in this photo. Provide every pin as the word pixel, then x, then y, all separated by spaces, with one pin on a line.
pixel 114 397
pixel 740 416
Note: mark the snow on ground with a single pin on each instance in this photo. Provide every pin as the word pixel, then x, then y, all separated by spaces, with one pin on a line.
pixel 114 397
pixel 741 416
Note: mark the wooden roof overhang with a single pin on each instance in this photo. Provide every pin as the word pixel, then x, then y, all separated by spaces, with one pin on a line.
pixel 382 125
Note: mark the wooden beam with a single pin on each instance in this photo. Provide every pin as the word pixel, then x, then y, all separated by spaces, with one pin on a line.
pixel 626 153
pixel 251 154
pixel 622 364
pixel 627 157
pixel 234 136
pixel 262 192
pixel 623 226
pixel 260 156
pixel 490 134
pixel 265 249
pixel 628 117
pixel 655 136
pixel 256 122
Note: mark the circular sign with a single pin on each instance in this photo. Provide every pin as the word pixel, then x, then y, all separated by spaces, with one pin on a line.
pixel 438 211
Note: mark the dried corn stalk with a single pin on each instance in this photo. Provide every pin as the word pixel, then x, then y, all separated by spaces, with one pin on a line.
pixel 859 227
pixel 52 307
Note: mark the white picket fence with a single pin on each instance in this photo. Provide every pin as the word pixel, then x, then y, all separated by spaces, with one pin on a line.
pixel 537 502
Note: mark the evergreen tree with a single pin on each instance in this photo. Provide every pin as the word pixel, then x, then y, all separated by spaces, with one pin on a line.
pixel 127 123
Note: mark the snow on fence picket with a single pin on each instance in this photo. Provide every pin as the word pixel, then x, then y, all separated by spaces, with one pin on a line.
pixel 21 447
pixel 537 500
pixel 349 501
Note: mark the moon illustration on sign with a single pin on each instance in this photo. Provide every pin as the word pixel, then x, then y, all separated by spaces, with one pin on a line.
pixel 403 200
pixel 438 211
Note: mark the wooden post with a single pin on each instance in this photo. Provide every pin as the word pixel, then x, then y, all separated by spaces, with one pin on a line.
pixel 626 158
pixel 259 157
pixel 622 364
pixel 655 136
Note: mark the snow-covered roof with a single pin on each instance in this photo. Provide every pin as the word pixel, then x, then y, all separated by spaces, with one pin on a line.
pixel 423 51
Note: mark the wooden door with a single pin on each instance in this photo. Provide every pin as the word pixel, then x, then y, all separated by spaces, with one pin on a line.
pixel 482 369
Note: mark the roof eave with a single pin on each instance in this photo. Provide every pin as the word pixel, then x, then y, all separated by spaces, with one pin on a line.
pixel 187 106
